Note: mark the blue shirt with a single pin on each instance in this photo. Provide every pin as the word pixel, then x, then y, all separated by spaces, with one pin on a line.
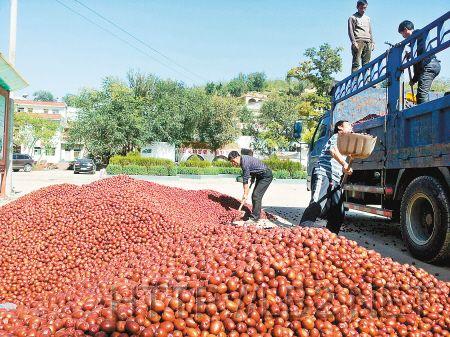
pixel 250 167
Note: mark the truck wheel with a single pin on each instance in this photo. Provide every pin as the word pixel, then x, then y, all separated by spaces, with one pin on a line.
pixel 27 168
pixel 425 219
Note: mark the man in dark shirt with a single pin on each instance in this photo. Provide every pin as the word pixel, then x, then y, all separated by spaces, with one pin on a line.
pixel 426 70
pixel 258 172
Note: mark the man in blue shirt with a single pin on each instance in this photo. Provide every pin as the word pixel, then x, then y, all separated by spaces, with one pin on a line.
pixel 326 195
pixel 258 172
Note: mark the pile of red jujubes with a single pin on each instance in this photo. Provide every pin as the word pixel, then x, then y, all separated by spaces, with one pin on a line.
pixel 122 257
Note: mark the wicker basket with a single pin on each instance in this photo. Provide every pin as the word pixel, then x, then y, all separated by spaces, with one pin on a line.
pixel 357 145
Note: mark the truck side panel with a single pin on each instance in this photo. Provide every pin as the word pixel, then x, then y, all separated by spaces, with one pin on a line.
pixel 422 138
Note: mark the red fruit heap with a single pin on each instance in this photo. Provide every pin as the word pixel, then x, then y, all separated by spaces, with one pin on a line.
pixel 122 257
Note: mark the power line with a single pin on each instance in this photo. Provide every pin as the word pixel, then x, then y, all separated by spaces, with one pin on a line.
pixel 124 41
pixel 139 40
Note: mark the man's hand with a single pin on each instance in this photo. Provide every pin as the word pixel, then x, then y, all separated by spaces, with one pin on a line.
pixel 347 169
pixel 373 46
pixel 355 45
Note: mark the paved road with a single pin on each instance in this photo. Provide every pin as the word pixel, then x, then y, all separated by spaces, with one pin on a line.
pixel 286 199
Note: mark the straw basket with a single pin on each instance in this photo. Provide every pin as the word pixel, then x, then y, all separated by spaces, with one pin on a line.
pixel 356 145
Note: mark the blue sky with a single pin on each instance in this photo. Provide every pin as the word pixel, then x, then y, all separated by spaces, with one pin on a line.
pixel 61 52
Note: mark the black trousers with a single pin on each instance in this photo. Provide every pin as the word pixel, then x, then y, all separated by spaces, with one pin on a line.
pixel 426 77
pixel 262 182
pixel 326 202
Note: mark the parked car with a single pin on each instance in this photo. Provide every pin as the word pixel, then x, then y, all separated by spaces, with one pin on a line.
pixel 84 165
pixel 22 162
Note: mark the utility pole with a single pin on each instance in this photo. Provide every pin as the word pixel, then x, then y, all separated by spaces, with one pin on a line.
pixel 12 61
pixel 12 32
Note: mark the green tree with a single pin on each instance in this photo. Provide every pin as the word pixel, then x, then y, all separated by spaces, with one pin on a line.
pixel 110 120
pixel 441 85
pixel 210 88
pixel 43 95
pixel 319 67
pixel 256 81
pixel 247 119
pixel 237 86
pixel 276 122
pixel 31 128
pixel 219 125
pixel 69 99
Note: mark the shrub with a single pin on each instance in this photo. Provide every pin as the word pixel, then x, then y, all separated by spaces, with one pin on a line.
pixel 221 163
pixel 134 159
pixel 195 162
pixel 172 170
pixel 157 171
pixel 281 174
pixel 229 170
pixel 275 164
pixel 197 170
pixel 114 169
pixel 134 170
pixel 298 175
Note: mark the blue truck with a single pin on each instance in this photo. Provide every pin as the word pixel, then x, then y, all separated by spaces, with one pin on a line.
pixel 407 177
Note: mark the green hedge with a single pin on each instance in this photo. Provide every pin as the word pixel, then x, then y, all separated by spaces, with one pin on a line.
pixel 221 163
pixel 277 164
pixel 134 159
pixel 173 170
pixel 114 169
pixel 281 174
pixel 195 162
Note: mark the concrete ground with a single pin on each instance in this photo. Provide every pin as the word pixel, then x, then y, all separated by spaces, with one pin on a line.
pixel 285 198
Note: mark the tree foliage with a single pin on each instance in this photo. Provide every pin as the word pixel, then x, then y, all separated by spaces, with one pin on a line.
pixel 239 85
pixel 31 128
pixel 219 123
pixel 43 95
pixel 122 116
pixel 441 85
pixel 109 121
pixel 319 67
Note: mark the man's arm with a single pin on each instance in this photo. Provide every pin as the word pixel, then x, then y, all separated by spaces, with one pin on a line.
pixel 245 178
pixel 351 29
pixel 371 35
pixel 246 191
pixel 340 159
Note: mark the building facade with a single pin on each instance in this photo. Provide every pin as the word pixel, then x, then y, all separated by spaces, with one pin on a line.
pixel 59 150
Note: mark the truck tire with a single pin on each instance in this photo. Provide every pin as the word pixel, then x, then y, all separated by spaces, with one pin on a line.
pixel 425 219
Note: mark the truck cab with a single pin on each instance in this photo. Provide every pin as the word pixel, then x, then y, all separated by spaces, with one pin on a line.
pixel 407 177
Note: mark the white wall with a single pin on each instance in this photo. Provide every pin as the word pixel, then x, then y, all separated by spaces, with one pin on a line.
pixel 159 150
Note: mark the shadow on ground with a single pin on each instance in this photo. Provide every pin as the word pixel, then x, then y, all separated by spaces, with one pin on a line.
pixel 371 232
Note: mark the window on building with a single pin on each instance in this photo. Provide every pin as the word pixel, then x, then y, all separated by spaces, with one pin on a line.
pixel 30 109
pixel 37 151
pixel 76 153
pixel 21 109
pixel 55 111
pixel 50 151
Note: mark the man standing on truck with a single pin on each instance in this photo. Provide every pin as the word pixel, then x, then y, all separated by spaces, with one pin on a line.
pixel 326 194
pixel 426 70
pixel 360 34
pixel 259 173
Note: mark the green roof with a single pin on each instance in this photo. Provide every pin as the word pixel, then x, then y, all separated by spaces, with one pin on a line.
pixel 9 77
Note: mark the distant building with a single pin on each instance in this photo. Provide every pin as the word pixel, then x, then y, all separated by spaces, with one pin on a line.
pixel 254 101
pixel 59 112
